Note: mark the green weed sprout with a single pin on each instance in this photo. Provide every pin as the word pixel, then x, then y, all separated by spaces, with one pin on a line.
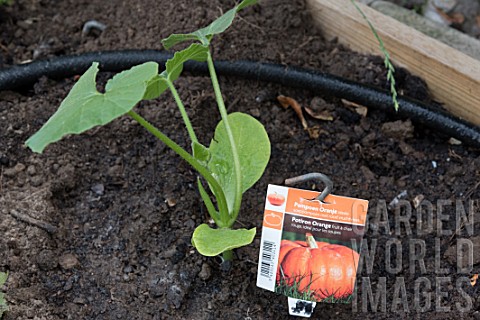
pixel 234 161
pixel 3 302
pixel 388 64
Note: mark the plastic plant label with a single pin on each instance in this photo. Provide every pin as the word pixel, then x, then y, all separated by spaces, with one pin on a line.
pixel 309 248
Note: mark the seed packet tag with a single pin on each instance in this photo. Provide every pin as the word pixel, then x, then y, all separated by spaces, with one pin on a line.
pixel 309 249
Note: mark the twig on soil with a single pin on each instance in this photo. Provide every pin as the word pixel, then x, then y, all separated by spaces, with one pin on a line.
pixel 469 193
pixel 252 25
pixel 38 223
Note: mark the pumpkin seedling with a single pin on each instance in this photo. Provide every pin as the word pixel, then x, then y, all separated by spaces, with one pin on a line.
pixel 235 159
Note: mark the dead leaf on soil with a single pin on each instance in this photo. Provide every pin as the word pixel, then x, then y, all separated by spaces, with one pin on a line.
pixel 473 279
pixel 322 115
pixel 315 132
pixel 290 102
pixel 358 108
pixel 417 200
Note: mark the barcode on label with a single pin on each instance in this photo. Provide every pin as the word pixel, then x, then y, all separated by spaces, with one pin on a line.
pixel 268 255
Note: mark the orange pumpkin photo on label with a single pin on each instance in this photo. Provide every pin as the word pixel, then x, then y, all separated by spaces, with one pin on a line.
pixel 276 199
pixel 324 270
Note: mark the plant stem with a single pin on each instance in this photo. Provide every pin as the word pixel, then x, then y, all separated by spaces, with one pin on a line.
pixel 236 160
pixel 184 114
pixel 227 255
pixel 222 203
pixel 388 63
pixel 206 198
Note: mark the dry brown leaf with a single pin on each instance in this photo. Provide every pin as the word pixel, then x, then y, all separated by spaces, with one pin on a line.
pixel 315 132
pixel 473 279
pixel 417 200
pixel 358 108
pixel 322 115
pixel 290 102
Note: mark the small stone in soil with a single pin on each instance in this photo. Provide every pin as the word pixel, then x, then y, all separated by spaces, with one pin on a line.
pixel 98 189
pixel 68 261
pixel 206 272
pixel 398 129
pixel 11 172
pixel 171 202
pixel 367 173
pixel 69 284
pixel 46 260
pixel 255 112
pixel 31 170
pixel 190 224
pixel 36 181
pixel 175 295
pixel 80 300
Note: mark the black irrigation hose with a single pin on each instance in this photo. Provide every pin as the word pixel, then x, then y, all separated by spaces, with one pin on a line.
pixel 68 66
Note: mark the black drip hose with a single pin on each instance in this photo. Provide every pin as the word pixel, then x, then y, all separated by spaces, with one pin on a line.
pixel 67 66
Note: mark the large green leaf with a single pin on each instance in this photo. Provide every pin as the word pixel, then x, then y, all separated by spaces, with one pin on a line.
pixel 212 242
pixel 253 147
pixel 155 87
pixel 85 107
pixel 173 69
pixel 174 66
pixel 204 34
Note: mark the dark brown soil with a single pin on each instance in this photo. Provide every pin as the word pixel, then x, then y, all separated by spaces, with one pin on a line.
pixel 125 206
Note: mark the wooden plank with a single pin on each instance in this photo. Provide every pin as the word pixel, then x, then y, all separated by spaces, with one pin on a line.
pixel 452 77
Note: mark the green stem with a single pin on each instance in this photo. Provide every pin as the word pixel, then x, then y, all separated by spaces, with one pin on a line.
pixel 388 64
pixel 222 203
pixel 184 114
pixel 205 197
pixel 236 160
pixel 227 255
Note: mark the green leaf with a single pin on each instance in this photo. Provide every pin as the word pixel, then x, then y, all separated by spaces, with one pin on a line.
pixel 224 21
pixel 174 66
pixel 205 34
pixel 245 4
pixel 3 278
pixel 174 39
pixel 200 152
pixel 155 87
pixel 253 147
pixel 85 107
pixel 212 242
